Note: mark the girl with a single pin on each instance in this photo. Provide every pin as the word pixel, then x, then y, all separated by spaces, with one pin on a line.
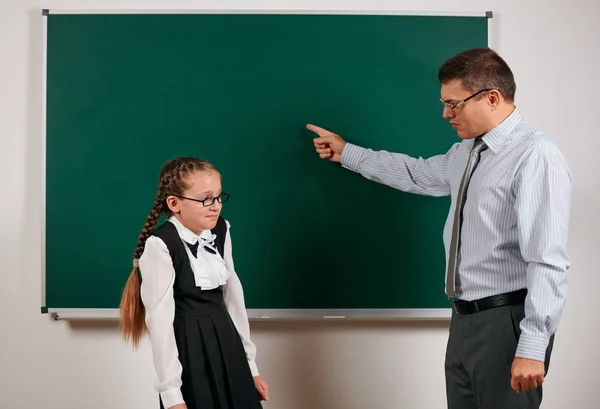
pixel 189 297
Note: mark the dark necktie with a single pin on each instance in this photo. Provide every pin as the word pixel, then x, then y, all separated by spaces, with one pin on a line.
pixel 478 147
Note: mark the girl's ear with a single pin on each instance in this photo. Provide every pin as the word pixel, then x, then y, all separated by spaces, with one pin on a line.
pixel 173 204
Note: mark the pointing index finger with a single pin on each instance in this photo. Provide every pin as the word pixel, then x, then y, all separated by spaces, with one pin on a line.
pixel 318 130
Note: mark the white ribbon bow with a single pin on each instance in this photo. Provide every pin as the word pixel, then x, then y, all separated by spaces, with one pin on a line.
pixel 207 242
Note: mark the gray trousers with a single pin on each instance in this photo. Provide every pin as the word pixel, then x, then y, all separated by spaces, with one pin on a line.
pixel 479 355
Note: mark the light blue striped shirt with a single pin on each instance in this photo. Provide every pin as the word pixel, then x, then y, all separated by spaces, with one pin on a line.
pixel 515 217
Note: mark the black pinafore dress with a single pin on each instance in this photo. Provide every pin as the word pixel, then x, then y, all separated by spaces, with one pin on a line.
pixel 216 374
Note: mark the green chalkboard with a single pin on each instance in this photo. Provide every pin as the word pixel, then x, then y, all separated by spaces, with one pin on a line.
pixel 126 92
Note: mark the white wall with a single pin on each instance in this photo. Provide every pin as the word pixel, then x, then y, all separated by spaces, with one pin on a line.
pixel 52 365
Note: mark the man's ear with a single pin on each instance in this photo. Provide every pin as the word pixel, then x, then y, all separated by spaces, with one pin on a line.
pixel 173 204
pixel 494 98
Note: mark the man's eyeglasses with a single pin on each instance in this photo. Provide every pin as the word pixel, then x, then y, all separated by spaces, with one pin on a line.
pixel 452 107
pixel 208 201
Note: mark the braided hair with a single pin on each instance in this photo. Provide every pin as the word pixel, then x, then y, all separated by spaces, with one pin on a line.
pixel 172 181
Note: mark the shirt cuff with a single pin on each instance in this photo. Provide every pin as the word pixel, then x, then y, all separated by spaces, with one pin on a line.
pixel 350 157
pixel 171 397
pixel 531 347
pixel 253 368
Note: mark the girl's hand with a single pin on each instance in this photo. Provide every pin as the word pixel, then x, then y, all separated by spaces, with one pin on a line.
pixel 261 387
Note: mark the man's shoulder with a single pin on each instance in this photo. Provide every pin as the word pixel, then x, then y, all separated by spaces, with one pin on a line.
pixel 533 142
pixel 533 147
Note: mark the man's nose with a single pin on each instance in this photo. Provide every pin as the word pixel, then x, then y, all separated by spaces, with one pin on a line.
pixel 447 113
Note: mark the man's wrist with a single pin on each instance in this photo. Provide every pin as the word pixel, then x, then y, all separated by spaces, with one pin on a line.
pixel 350 156
pixel 532 347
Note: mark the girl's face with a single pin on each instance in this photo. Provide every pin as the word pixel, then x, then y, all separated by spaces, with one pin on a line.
pixel 196 216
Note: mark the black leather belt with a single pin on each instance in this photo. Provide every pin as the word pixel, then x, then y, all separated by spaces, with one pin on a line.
pixel 469 307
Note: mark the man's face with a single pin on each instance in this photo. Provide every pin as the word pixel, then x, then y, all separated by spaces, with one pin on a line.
pixel 469 118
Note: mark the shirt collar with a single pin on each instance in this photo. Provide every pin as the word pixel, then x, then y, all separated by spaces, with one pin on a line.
pixel 186 234
pixel 496 138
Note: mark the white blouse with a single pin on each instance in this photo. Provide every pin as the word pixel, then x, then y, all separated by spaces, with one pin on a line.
pixel 158 277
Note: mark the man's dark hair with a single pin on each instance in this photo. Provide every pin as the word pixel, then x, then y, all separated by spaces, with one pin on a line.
pixel 480 68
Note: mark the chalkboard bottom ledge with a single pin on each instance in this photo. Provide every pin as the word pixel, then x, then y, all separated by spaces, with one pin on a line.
pixel 110 314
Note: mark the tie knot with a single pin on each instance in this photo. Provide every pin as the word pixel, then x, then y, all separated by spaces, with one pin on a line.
pixel 478 146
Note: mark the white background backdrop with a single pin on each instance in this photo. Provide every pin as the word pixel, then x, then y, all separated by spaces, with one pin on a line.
pixel 552 47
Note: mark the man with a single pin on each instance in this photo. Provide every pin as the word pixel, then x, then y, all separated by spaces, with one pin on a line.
pixel 505 235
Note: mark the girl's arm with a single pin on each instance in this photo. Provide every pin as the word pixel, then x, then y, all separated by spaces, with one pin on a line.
pixel 158 276
pixel 234 301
